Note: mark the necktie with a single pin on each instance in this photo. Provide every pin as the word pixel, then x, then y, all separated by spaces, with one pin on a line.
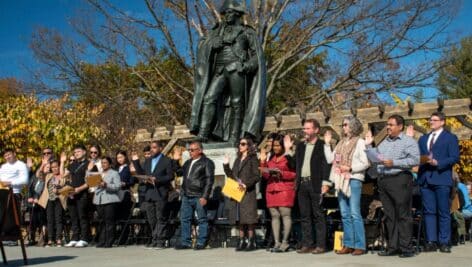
pixel 431 143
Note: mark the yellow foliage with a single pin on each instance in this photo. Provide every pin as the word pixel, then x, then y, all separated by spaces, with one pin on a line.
pixel 28 125
pixel 464 168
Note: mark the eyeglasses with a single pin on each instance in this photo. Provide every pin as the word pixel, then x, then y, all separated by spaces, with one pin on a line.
pixel 243 144
pixel 193 149
pixel 47 153
pixel 94 152
pixel 434 120
pixel 344 124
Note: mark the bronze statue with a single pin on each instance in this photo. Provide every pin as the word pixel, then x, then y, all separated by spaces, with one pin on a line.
pixel 230 77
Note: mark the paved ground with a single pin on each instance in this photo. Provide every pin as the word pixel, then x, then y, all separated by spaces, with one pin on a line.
pixel 138 256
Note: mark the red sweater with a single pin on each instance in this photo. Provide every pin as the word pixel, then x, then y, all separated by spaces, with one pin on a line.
pixel 288 175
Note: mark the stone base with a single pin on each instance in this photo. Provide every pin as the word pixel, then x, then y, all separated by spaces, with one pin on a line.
pixel 225 145
pixel 217 155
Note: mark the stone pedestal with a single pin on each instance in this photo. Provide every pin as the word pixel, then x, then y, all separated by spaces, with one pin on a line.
pixel 217 155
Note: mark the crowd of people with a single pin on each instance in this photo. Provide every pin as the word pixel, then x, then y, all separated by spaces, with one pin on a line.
pixel 296 174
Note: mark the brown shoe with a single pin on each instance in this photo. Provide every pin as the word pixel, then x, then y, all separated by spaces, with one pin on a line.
pixel 358 252
pixel 344 250
pixel 305 250
pixel 318 250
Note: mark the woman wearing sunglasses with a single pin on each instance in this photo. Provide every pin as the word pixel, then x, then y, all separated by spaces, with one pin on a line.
pixel 246 171
pixel 95 163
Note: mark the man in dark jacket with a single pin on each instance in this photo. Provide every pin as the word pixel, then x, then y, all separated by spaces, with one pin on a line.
pixel 198 176
pixel 312 168
pixel 160 171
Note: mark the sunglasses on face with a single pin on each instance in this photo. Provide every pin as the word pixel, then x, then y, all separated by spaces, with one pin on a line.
pixel 243 144
pixel 344 125
pixel 94 152
pixel 47 153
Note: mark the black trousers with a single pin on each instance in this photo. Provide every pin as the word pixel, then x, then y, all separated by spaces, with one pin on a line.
pixel 78 212
pixel 395 192
pixel 157 220
pixel 106 228
pixel 38 220
pixel 311 213
pixel 55 215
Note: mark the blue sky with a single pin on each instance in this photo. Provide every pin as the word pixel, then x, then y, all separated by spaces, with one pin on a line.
pixel 18 19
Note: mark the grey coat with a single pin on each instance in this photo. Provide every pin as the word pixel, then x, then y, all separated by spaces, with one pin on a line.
pixel 248 171
pixel 110 193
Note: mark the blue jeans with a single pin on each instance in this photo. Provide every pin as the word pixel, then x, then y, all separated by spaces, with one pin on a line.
pixel 353 224
pixel 187 209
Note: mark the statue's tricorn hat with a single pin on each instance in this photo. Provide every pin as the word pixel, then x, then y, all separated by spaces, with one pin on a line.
pixel 233 5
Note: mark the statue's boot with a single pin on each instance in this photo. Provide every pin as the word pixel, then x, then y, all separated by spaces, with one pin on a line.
pixel 235 127
pixel 207 115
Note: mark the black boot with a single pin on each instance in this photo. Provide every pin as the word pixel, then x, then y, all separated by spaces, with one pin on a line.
pixel 251 244
pixel 208 112
pixel 202 137
pixel 241 244
pixel 235 128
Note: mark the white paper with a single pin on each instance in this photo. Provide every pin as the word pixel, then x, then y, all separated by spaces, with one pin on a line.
pixel 374 156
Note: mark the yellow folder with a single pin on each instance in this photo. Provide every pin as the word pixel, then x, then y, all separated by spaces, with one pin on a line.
pixel 231 189
pixel 338 240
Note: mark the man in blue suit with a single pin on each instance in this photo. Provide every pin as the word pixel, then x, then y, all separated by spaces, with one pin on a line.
pixel 439 152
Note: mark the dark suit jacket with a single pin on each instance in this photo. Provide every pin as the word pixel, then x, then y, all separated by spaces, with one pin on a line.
pixel 164 175
pixel 446 152
pixel 319 166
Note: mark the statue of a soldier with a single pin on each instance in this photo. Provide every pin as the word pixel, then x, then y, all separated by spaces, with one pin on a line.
pixel 230 77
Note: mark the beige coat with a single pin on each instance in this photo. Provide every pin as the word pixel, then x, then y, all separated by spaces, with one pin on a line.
pixel 43 199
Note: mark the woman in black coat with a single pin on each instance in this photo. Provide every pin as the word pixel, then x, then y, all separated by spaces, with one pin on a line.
pixel 127 181
pixel 246 172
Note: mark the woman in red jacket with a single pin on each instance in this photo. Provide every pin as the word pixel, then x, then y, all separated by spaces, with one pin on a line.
pixel 279 171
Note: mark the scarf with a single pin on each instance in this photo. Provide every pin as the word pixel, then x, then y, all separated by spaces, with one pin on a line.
pixel 345 150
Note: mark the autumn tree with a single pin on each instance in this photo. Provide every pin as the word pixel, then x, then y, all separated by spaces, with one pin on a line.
pixel 325 52
pixel 10 87
pixel 455 75
pixel 29 125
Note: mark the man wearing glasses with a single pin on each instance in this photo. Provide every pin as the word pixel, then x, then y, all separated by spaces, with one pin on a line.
pixel 159 168
pixel 439 152
pixel 398 153
pixel 48 154
pixel 198 176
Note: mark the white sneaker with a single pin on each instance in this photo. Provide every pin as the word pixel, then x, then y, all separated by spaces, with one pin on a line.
pixel 71 244
pixel 81 244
